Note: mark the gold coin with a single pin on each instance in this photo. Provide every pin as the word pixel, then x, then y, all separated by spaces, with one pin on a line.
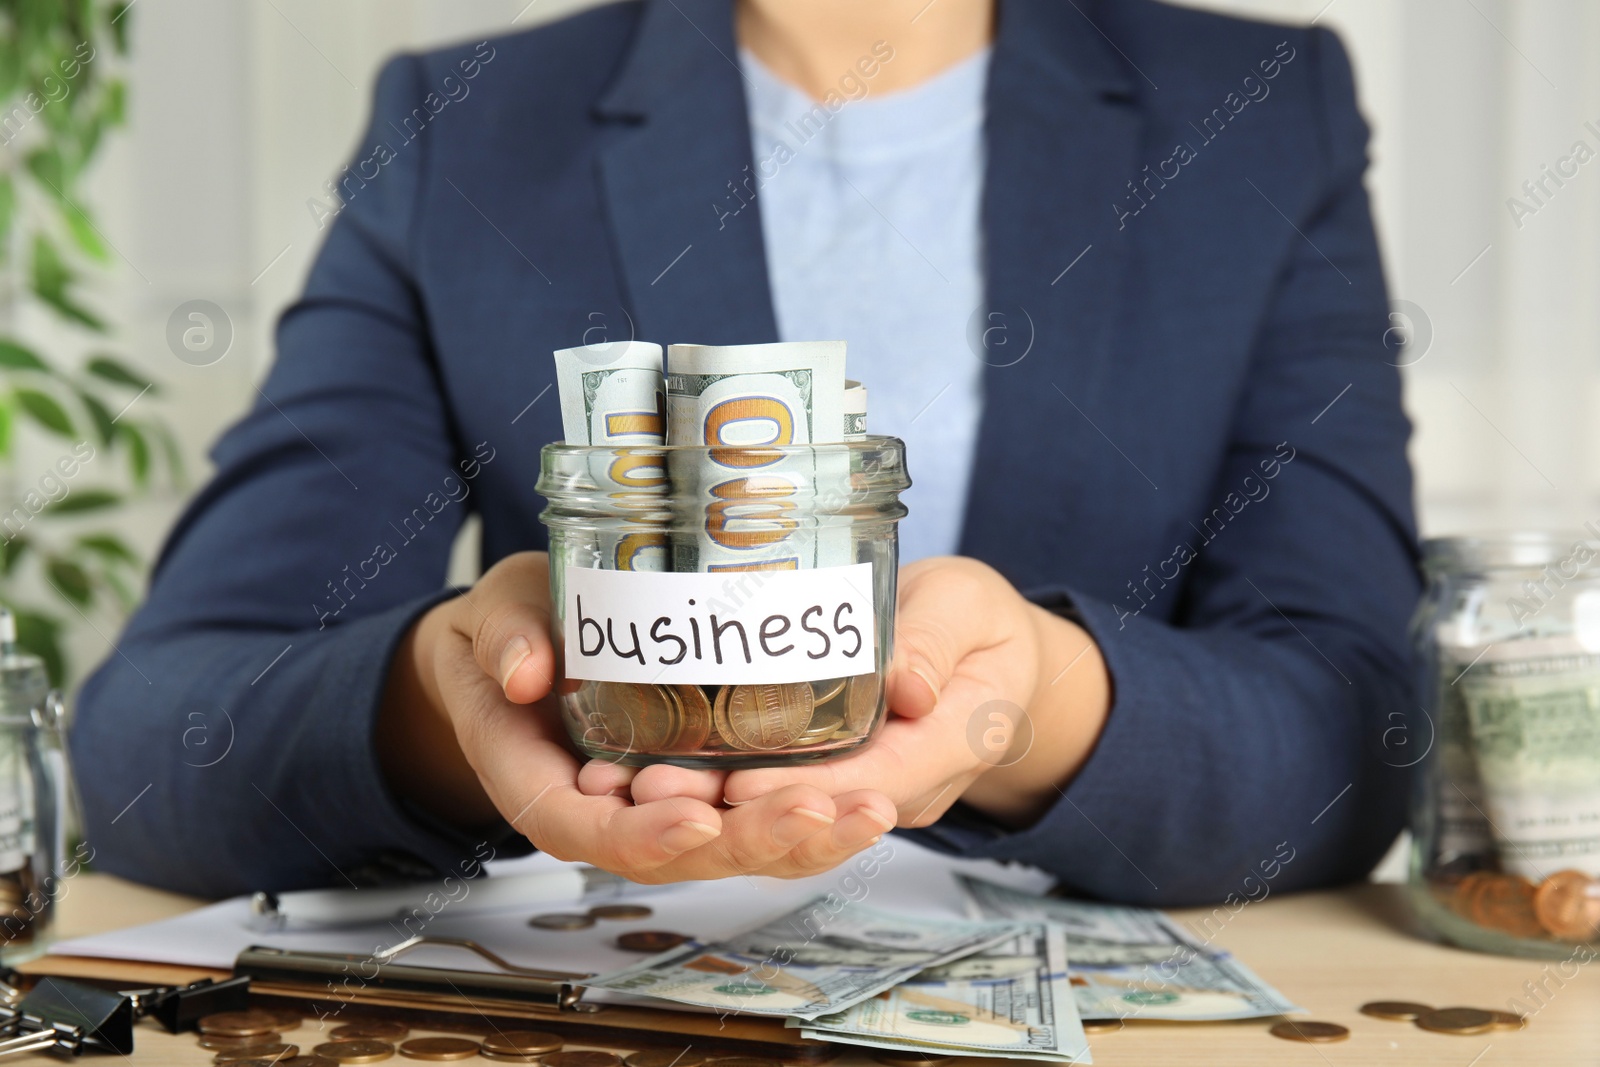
pixel 765 717
pixel 620 912
pixel 1403 1011
pixel 1311 1033
pixel 306 1061
pixel 370 1030
pixel 238 1024
pixel 694 717
pixel 637 718
pixel 359 1050
pixel 522 1042
pixel 1101 1026
pixel 660 1057
pixel 1457 1021
pixel 562 920
pixel 1504 902
pixel 861 704
pixel 216 1042
pixel 1506 1020
pixel 826 691
pixel 581 1059
pixel 1567 905
pixel 272 1051
pixel 650 940
pixel 439 1048
pixel 283 1018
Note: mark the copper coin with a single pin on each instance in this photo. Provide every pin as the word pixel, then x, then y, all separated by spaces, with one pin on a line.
pixel 370 1030
pixel 650 940
pixel 581 1059
pixel 1504 902
pixel 307 1061
pixel 826 691
pixel 439 1048
pixel 904 1057
pixel 636 718
pixel 271 1052
pixel 237 1024
pixel 217 1042
pixel 1507 1020
pixel 1310 1032
pixel 660 1057
pixel 861 704
pixel 282 1018
pixel 1101 1026
pixel 508 1057
pixel 276 1063
pixel 1457 1021
pixel 765 717
pixel 522 1042
pixel 761 1061
pixel 358 1050
pixel 825 722
pixel 1403 1011
pixel 694 718
pixel 1567 905
pixel 620 912
pixel 562 920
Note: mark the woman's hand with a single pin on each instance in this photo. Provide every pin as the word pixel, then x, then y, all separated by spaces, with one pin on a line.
pixel 469 729
pixel 992 700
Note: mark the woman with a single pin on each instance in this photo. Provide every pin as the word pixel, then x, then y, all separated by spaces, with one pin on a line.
pixel 1108 267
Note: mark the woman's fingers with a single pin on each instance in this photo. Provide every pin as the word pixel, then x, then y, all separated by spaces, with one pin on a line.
pixel 506 617
pixel 662 780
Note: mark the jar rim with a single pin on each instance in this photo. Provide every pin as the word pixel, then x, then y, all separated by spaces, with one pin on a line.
pixel 1509 549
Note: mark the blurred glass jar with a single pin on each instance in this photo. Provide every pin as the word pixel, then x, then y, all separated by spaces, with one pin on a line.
pixel 35 791
pixel 723 607
pixel 1506 820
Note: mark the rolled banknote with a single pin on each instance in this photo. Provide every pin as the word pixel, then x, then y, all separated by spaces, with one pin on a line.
pixel 855 411
pixel 613 395
pixel 823 957
pixel 756 510
pixel 1013 1000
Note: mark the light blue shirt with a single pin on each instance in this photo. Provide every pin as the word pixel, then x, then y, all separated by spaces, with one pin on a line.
pixel 870 214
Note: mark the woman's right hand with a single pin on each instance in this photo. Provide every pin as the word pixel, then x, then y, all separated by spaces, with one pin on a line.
pixel 469 729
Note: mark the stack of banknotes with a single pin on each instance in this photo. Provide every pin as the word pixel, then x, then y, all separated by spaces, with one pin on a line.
pixel 1016 983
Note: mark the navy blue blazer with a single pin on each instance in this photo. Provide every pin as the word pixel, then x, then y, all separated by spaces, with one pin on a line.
pixel 1202 456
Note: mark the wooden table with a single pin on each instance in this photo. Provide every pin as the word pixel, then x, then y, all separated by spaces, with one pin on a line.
pixel 1329 952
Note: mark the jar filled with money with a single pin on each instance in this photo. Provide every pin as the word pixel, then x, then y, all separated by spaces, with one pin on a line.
pixel 723 607
pixel 1506 822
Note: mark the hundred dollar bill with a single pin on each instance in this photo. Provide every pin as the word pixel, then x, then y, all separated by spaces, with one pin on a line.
pixel 1463 837
pixel 1012 1000
pixel 755 511
pixel 1136 962
pixel 855 411
pixel 818 959
pixel 614 395
pixel 1533 706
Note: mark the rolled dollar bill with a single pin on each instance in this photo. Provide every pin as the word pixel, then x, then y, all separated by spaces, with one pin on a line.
pixel 855 411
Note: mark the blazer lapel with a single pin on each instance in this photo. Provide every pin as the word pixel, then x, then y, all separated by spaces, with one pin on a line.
pixel 678 183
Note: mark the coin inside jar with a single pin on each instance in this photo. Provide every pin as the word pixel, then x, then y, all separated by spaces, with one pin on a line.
pixel 763 717
pixel 562 920
pixel 237 1024
pixel 650 940
pixel 1404 1011
pixel 826 691
pixel 1567 905
pixel 1313 1033
pixel 694 718
pixel 620 912
pixel 861 703
pixel 637 718
pixel 370 1030
pixel 273 1051
pixel 523 1044
pixel 359 1050
pixel 439 1048
pixel 1456 1021
pixel 660 1057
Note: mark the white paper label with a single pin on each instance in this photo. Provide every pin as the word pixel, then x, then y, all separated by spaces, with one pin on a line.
pixel 720 628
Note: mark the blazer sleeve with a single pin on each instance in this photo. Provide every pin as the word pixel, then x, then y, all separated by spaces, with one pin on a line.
pixel 1267 735
pixel 230 732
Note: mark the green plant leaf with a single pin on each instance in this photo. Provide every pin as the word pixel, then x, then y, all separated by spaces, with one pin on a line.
pixel 44 410
pixel 114 106
pixel 84 500
pixel 19 357
pixel 114 370
pixel 84 233
pixel 125 595
pixel 49 168
pixel 8 210
pixel 138 454
pixel 10 553
pixel 6 422
pixel 51 279
pixel 111 547
pixel 100 415
pixel 70 580
pixel 41 634
pixel 118 15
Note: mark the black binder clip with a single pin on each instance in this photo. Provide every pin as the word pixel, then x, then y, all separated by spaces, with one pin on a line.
pixel 180 1008
pixel 61 1016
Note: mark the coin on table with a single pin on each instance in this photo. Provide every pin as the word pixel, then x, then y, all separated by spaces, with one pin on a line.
pixel 218 1042
pixel 1567 905
pixel 906 1058
pixel 826 691
pixel 370 1030
pixel 1312 1033
pixel 861 703
pixel 439 1048
pixel 650 940
pixel 274 1051
pixel 661 1057
pixel 358 1050
pixel 282 1018
pixel 1457 1021
pixel 621 912
pixel 1403 1011
pixel 694 717
pixel 1101 1026
pixel 562 920
pixel 765 717
pixel 527 1044
pixel 743 1061
pixel 237 1024
pixel 581 1059
pixel 1508 1020
pixel 306 1061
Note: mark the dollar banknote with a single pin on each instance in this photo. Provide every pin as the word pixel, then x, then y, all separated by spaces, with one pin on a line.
pixel 755 509
pixel 855 411
pixel 1012 1000
pixel 614 395
pixel 823 957
pixel 1136 962
pixel 1533 707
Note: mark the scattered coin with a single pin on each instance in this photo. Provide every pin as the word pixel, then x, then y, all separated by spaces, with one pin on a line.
pixel 522 1043
pixel 370 1030
pixel 304 1061
pixel 765 716
pixel 357 1050
pixel 1457 1021
pixel 620 912
pixel 439 1048
pixel 1404 1011
pixel 217 1042
pixel 660 1057
pixel 1101 1026
pixel 237 1024
pixel 1507 1020
pixel 650 940
pixel 273 1052
pixel 562 920
pixel 581 1059
pixel 279 1063
pixel 1312 1033
pixel 763 1061
pixel 282 1018
pixel 1567 905
pixel 904 1058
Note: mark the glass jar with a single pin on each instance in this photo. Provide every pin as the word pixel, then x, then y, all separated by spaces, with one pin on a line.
pixel 1506 819
pixel 723 607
